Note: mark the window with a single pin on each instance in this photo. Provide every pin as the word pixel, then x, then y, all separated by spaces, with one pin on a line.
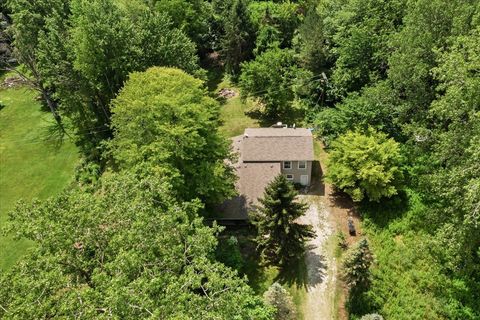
pixel 302 164
pixel 287 165
pixel 290 177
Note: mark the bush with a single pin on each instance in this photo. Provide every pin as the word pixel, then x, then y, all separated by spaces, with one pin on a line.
pixel 342 241
pixel 87 172
pixel 228 252
pixel 280 299
pixel 372 316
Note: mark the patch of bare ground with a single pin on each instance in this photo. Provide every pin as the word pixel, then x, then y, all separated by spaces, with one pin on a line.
pixel 328 213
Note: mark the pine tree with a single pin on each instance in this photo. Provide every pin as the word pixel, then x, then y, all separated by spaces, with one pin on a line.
pixel 238 42
pixel 280 239
pixel 356 266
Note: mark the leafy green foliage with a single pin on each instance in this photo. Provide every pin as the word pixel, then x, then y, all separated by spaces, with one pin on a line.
pixel 270 77
pixel 373 107
pixel 82 52
pixel 275 23
pixel 280 239
pixel 408 279
pixel 279 298
pixel 127 250
pixel 365 165
pixel 238 41
pixel 165 125
pixel 191 16
pixel 228 252
pixel 356 265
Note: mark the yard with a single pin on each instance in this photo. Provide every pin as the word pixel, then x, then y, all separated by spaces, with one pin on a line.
pixel 313 285
pixel 32 163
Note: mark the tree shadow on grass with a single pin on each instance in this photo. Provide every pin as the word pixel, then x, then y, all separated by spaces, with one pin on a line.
pixel 317 186
pixel 267 120
pixel 385 211
pixel 342 200
pixel 214 71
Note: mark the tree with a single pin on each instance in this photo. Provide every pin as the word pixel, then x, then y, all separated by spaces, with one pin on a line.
pixel 228 252
pixel 126 250
pixel 165 125
pixel 365 164
pixel 356 266
pixel 280 239
pixel 193 17
pixel 279 298
pixel 270 78
pixel 238 41
pixel 30 22
pixel 373 107
pixel 275 23
pixel 83 51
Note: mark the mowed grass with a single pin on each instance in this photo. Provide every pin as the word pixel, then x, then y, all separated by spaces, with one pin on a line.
pixel 32 164
pixel 234 120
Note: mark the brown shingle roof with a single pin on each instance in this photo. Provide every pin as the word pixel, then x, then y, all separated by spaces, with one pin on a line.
pixel 251 183
pixel 278 132
pixel 278 148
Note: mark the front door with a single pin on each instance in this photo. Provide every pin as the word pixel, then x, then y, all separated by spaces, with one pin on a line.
pixel 304 180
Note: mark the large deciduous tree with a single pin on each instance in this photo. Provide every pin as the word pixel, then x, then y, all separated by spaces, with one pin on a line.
pixel 166 125
pixel 84 50
pixel 365 165
pixel 271 78
pixel 281 239
pixel 127 250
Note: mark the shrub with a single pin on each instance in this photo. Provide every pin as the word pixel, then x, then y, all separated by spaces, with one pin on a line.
pixel 342 241
pixel 280 299
pixel 372 316
pixel 228 252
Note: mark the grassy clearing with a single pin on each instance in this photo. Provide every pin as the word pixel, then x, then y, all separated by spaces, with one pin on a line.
pixel 32 165
pixel 234 120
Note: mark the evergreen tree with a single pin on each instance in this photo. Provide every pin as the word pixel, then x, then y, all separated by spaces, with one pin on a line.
pixel 356 266
pixel 280 239
pixel 238 42
pixel 281 300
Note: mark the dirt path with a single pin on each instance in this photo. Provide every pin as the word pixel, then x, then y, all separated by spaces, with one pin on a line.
pixel 320 261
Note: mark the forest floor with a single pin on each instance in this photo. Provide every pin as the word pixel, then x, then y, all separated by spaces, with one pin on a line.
pixel 32 163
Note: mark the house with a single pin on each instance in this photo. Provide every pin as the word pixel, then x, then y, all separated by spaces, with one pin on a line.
pixel 264 153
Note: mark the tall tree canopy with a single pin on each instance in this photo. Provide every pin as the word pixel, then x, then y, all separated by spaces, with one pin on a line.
pixel 280 238
pixel 82 52
pixel 238 40
pixel 271 78
pixel 166 125
pixel 365 165
pixel 127 250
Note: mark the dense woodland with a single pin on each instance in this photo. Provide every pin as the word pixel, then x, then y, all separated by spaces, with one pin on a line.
pixel 392 88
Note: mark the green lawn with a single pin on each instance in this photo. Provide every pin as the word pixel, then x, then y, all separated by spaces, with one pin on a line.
pixel 234 120
pixel 32 164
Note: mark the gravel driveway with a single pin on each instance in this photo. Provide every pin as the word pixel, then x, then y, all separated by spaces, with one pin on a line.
pixel 320 261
